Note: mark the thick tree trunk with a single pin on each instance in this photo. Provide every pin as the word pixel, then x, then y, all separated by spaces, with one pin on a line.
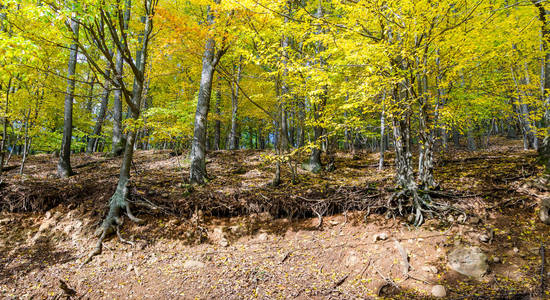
pixel 315 165
pixel 64 165
pixel 198 147
pixel 197 170
pixel 427 134
pixel 92 142
pixel 544 145
pixel 118 139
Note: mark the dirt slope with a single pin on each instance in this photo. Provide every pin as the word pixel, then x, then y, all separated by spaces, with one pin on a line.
pixel 238 238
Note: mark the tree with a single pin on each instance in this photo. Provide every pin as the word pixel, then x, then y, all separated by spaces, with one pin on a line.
pixel 211 57
pixel 64 165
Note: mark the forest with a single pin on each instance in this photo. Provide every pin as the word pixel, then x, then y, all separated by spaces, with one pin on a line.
pixel 243 149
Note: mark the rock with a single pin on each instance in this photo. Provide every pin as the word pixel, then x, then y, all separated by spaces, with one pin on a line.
pixel 484 238
pixel 475 220
pixel 237 230
pixel 46 224
pixel 153 259
pixel 333 223
pixel 439 291
pixel 461 219
pixel 469 261
pixel 380 237
pixel 224 243
pixel 265 216
pixel 352 259
pixel 130 268
pixel 451 219
pixel 141 245
pixel 430 269
pixel 262 237
pixel 516 250
pixel 496 259
pixel 544 212
pixel 193 264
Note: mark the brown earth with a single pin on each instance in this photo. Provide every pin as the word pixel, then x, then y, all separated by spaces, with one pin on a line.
pixel 239 238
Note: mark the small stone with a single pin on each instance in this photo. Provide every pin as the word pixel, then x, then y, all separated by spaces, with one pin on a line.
pixel 430 269
pixel 153 259
pixel 193 264
pixel 450 218
pixel 130 268
pixel 380 237
pixel 496 259
pixel 461 219
pixel 469 261
pixel 352 259
pixel 224 243
pixel 165 195
pixel 48 215
pixel 516 250
pixel 141 245
pixel 237 230
pixel 439 291
pixel 333 223
pixel 262 237
pixel 484 238
pixel 475 220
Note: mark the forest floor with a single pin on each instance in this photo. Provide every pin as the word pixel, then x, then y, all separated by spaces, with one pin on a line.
pixel 237 237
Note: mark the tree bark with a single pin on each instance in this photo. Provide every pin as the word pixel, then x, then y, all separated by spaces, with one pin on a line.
pixel 92 142
pixel 118 140
pixel 197 173
pixel 234 135
pixel 382 136
pixel 218 124
pixel 64 165
pixel 5 126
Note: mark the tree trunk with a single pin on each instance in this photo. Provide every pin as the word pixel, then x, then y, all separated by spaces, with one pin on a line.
pixel 64 165
pixel 197 173
pixel 26 142
pixel 218 124
pixel 118 140
pixel 315 165
pixel 92 142
pixel 118 203
pixel 234 135
pixel 382 136
pixel 5 126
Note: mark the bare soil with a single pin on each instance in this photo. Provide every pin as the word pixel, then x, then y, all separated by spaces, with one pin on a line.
pixel 239 238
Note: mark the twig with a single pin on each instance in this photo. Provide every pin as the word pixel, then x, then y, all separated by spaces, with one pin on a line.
pixel 404 258
pixel 340 282
pixel 388 280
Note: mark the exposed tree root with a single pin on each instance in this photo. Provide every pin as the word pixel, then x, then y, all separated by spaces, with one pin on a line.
pixel 114 219
pixel 421 204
